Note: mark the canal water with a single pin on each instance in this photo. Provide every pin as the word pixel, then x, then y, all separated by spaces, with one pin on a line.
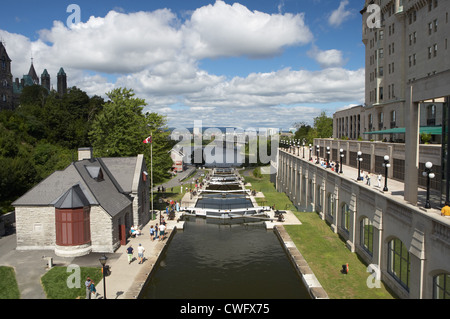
pixel 212 260
pixel 219 259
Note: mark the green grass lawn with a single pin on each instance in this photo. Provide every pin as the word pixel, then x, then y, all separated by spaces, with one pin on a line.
pixel 324 251
pixel 55 282
pixel 8 284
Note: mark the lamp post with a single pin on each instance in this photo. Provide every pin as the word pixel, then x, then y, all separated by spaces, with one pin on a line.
pixel 341 154
pixel 103 263
pixel 328 156
pixel 303 148
pixel 386 165
pixel 317 152
pixel 359 159
pixel 429 175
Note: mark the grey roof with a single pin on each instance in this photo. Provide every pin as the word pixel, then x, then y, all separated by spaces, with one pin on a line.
pixel 59 188
pixel 122 168
pixel 73 198
pixel 49 190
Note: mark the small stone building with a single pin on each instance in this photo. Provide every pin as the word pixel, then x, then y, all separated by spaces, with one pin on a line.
pixel 89 206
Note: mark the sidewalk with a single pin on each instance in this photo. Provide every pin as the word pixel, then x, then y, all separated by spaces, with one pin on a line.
pixel 396 189
pixel 126 280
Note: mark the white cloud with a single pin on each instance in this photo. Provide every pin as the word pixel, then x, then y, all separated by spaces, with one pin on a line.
pixel 339 15
pixel 327 58
pixel 158 55
pixel 232 30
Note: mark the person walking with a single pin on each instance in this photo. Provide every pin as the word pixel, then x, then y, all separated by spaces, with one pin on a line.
pixel 156 231
pixel 130 254
pixel 141 250
pixel 379 180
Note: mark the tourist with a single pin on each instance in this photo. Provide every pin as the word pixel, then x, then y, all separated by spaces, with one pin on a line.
pixel 445 211
pixel 162 229
pixel 152 233
pixel 87 283
pixel 156 230
pixel 92 289
pixel 379 180
pixel 141 250
pixel 368 178
pixel 130 254
pixel 337 167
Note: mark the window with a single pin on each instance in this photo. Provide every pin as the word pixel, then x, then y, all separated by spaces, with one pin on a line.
pixel 380 71
pixel 398 262
pixel 441 286
pixel 366 230
pixel 331 204
pixel 345 217
pixel 72 226
pixel 393 91
pixel 381 92
pixel 430 52
pixel 430 28
pixel 435 50
pixel 414 59
pixel 380 53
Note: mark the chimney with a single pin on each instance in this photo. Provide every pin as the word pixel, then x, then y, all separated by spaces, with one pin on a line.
pixel 84 153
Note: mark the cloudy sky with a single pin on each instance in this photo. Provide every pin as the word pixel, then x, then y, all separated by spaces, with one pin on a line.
pixel 247 64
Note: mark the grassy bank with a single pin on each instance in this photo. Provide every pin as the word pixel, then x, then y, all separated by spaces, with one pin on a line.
pixel 8 284
pixel 59 283
pixel 324 250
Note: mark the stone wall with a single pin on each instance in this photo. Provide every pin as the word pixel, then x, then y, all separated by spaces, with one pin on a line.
pixel 426 236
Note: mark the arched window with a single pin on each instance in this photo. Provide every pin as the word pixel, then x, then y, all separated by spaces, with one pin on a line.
pixel 331 204
pixel 345 217
pixel 398 262
pixel 441 286
pixel 366 230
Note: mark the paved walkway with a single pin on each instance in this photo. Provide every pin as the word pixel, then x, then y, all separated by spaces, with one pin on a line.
pixel 395 189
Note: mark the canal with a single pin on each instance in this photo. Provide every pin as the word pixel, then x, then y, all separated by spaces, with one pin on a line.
pixel 224 259
pixel 212 260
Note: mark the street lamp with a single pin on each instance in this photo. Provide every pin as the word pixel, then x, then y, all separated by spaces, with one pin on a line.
pixel 103 260
pixel 341 151
pixel 303 148
pixel 317 152
pixel 386 165
pixel 328 156
pixel 429 175
pixel 359 159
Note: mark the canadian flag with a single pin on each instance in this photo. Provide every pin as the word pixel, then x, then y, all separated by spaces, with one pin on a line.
pixel 148 140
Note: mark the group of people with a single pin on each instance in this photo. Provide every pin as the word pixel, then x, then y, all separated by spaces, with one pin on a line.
pixel 162 231
pixel 90 288
pixel 130 252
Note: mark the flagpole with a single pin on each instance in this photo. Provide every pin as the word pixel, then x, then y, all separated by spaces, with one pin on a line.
pixel 151 170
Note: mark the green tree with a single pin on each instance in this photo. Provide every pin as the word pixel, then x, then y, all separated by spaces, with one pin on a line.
pixel 323 126
pixel 120 128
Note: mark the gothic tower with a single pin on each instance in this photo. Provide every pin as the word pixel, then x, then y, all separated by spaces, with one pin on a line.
pixel 62 82
pixel 45 80
pixel 6 80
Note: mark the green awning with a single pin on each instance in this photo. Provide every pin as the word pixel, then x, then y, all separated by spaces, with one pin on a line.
pixel 433 130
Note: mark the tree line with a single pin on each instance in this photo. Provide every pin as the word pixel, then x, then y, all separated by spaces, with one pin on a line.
pixel 44 133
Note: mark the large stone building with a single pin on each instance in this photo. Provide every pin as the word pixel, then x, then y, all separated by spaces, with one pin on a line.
pixel 89 206
pixel 410 46
pixel 10 90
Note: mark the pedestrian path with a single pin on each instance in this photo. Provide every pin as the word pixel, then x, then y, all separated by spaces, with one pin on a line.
pixel 396 189
pixel 126 279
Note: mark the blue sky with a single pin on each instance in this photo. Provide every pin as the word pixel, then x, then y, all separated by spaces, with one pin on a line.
pixel 247 63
